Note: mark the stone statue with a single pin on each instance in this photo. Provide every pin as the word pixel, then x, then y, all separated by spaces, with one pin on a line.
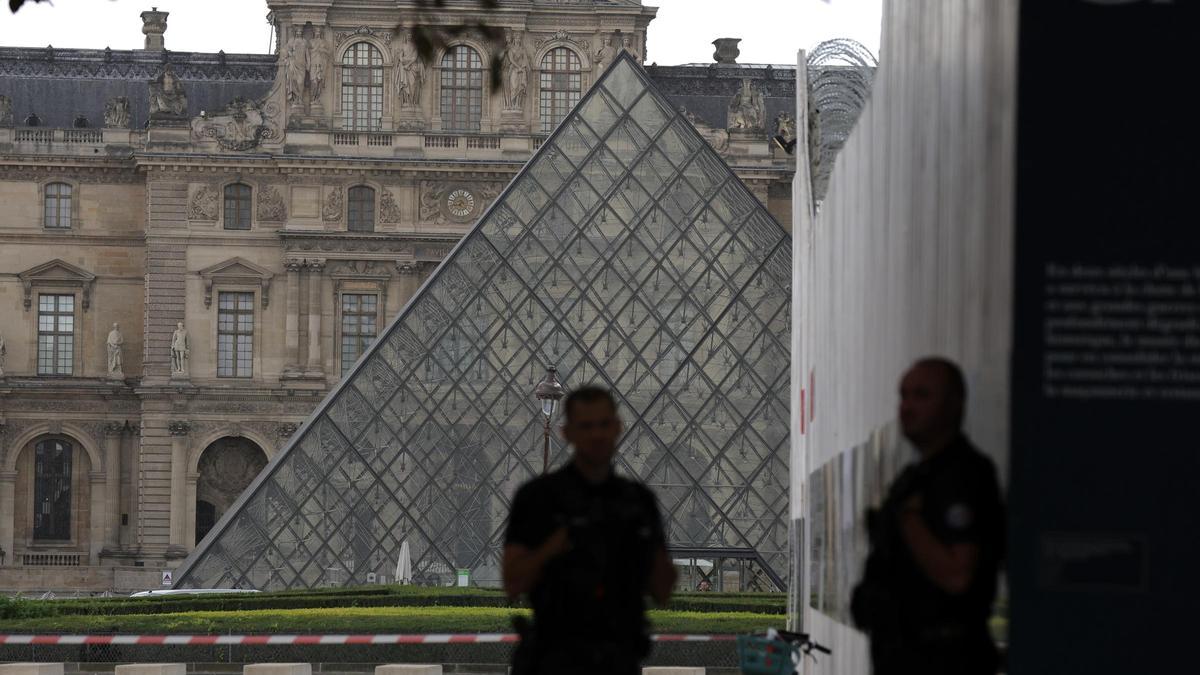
pixel 409 73
pixel 114 342
pixel 516 72
pixel 3 355
pixel 6 113
pixel 304 68
pixel 180 350
pixel 606 53
pixel 627 43
pixel 295 68
pixel 318 63
pixel 167 97
pixel 785 126
pixel 116 113
pixel 746 111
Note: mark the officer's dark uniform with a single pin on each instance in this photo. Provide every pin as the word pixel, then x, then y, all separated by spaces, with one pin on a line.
pixel 916 627
pixel 588 605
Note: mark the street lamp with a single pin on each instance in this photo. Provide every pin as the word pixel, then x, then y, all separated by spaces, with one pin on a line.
pixel 548 391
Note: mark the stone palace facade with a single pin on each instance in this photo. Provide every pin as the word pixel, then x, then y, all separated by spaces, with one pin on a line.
pixel 196 246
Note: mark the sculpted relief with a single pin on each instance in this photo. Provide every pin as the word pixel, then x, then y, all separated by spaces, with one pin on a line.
pixel 203 205
pixel 270 205
pixel 441 203
pixel 332 213
pixel 116 113
pixel 389 210
pixel 244 125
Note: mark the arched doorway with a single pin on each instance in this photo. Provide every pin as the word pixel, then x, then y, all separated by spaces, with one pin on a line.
pixel 227 467
pixel 51 503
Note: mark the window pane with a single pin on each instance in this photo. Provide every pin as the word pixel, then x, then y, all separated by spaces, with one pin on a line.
pixel 358 326
pixel 361 213
pixel 56 340
pixel 462 89
pixel 52 490
pixel 362 87
pixel 235 334
pixel 57 208
pixel 561 86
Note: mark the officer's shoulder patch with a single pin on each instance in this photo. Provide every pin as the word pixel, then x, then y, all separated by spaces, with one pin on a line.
pixel 959 516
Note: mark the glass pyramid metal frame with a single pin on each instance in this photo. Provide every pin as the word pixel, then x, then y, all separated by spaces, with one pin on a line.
pixel 627 254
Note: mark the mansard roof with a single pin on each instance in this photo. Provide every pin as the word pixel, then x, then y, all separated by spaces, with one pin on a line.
pixel 60 84
pixel 39 80
pixel 705 90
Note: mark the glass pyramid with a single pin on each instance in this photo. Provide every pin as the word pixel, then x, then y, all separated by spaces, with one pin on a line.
pixel 627 254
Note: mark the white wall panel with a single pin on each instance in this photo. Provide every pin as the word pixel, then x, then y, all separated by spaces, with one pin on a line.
pixel 910 255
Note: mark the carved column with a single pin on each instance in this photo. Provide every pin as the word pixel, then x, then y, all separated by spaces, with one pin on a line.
pixel 315 267
pixel 131 494
pixel 179 447
pixel 292 324
pixel 409 272
pixel 189 524
pixel 8 488
pixel 112 484
pixel 97 515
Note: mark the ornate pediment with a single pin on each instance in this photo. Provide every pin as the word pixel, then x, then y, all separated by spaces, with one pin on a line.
pixel 382 34
pixel 236 271
pixel 59 274
pixel 562 36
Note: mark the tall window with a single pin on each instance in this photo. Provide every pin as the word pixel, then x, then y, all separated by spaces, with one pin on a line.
pixel 52 490
pixel 237 207
pixel 561 85
pixel 362 88
pixel 462 89
pixel 358 327
pixel 235 334
pixel 360 216
pixel 58 206
pixel 56 334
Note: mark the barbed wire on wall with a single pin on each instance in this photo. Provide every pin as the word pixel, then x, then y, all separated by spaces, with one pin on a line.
pixel 840 73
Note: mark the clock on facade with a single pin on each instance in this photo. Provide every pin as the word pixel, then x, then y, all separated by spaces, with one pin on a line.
pixel 460 203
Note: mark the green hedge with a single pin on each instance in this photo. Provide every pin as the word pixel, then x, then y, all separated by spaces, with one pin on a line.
pixel 361 620
pixel 383 596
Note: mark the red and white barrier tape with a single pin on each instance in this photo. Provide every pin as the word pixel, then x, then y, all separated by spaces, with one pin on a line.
pixel 187 640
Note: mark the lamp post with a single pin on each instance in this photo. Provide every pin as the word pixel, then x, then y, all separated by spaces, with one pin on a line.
pixel 548 391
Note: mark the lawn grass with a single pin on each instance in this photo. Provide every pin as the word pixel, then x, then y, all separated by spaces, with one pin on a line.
pixel 361 620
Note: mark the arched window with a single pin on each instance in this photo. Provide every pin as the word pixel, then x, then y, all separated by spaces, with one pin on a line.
pixel 58 205
pixel 362 87
pixel 561 86
pixel 360 217
pixel 52 490
pixel 237 207
pixel 462 89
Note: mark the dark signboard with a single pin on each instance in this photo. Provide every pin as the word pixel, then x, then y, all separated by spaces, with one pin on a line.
pixel 1105 475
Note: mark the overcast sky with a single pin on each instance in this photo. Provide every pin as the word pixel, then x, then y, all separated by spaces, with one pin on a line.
pixel 771 30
